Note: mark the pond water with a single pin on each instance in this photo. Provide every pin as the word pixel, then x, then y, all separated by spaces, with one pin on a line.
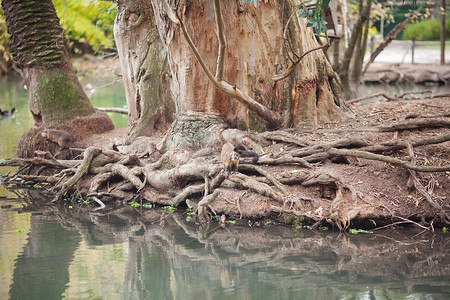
pixel 71 252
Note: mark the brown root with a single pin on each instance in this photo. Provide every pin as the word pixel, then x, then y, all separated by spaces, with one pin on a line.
pixel 300 177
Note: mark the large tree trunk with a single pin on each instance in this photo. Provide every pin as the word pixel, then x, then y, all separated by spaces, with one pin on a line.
pixel 57 99
pixel 254 54
pixel 144 68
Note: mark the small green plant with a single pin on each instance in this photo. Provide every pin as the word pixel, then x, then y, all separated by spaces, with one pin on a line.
pixel 324 228
pixel 36 186
pixel 26 185
pixel 298 227
pixel 316 16
pixel 231 222
pixel 146 205
pixel 20 230
pixel 169 207
pixel 135 204
pixel 445 229
pixel 70 206
pixel 356 231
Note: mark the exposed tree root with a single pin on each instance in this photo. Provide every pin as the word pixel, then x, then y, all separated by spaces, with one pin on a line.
pixel 295 178
pixel 421 189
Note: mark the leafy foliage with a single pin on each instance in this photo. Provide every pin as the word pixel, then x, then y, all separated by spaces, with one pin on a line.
pixel 316 17
pixel 5 54
pixel 87 21
pixel 425 30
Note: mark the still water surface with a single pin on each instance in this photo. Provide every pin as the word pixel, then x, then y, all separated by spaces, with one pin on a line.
pixel 73 253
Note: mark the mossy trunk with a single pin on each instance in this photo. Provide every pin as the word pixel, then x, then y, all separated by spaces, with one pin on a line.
pixel 56 97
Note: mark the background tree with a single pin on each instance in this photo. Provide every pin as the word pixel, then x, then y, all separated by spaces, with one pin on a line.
pixel 87 25
pixel 57 99
pixel 355 49
pixel 5 55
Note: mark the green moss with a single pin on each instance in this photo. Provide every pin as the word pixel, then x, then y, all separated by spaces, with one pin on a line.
pixel 59 98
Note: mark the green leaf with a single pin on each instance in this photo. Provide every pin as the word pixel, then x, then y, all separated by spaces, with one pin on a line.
pixel 303 14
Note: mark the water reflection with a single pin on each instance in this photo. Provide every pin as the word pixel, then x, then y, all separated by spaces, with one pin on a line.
pixel 139 254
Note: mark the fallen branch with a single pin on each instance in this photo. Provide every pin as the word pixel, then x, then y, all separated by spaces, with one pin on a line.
pixel 404 125
pixel 114 110
pixel 284 137
pixel 21 162
pixel 392 160
pixel 404 220
pixel 36 178
pixel 416 124
pixel 399 145
pixel 414 93
pixel 351 101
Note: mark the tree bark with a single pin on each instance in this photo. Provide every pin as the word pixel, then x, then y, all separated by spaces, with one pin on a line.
pixel 56 97
pixel 253 54
pixel 144 68
pixel 364 14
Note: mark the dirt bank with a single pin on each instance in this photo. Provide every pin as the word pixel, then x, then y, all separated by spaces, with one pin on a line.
pixel 387 164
